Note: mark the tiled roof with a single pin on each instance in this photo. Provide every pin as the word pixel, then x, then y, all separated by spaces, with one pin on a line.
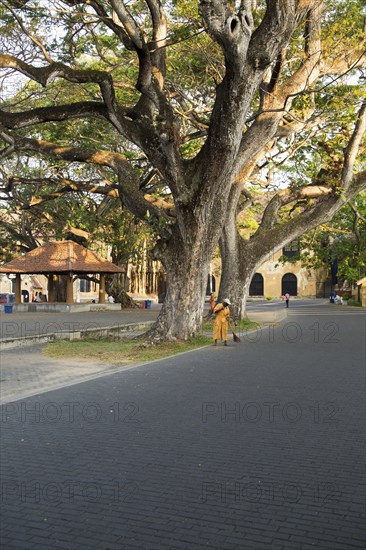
pixel 60 257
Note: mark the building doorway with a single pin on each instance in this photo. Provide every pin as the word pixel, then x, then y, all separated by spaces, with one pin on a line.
pixel 256 287
pixel 289 284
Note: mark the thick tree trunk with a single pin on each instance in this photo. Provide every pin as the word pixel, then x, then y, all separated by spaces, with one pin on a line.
pixel 238 266
pixel 232 272
pixel 186 257
pixel 182 311
pixel 115 287
pixel 236 274
pixel 241 258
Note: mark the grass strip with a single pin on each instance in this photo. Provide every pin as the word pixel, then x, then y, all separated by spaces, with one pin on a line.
pixel 126 351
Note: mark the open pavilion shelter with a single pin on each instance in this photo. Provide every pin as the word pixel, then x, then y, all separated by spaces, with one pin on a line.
pixel 60 258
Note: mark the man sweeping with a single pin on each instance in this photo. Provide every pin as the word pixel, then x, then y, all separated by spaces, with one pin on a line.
pixel 221 323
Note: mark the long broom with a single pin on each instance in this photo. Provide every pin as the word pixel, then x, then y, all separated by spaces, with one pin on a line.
pixel 235 336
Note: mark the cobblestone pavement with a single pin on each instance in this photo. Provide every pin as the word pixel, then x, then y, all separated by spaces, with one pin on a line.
pixel 25 372
pixel 257 446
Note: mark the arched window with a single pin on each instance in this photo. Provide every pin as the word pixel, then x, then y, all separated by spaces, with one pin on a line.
pixel 256 286
pixel 289 284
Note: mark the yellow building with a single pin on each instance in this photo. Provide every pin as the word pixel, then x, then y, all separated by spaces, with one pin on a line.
pixel 274 278
pixel 362 284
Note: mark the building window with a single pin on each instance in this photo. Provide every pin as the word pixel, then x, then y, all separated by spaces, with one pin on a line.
pixel 257 285
pixel 84 285
pixel 291 249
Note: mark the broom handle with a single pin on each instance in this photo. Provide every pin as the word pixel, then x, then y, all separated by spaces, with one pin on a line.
pixel 232 323
pixel 231 328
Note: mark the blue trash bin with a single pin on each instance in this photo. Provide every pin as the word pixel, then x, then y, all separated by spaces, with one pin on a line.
pixel 148 304
pixel 8 309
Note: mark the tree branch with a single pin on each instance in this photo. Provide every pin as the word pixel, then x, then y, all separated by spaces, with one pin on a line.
pixel 23 119
pixel 73 186
pixel 111 21
pixel 131 27
pixel 348 180
pixel 43 75
pixel 246 58
pixel 232 32
pixel 128 186
pixel 353 146
pixel 271 240
pixel 33 39
pixel 279 22
pixel 157 46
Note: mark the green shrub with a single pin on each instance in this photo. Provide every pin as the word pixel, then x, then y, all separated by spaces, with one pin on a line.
pixel 354 303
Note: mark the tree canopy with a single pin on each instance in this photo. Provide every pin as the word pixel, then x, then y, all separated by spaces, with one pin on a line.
pixel 172 105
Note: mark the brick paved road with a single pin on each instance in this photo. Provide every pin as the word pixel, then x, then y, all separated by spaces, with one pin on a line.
pixel 258 446
pixel 26 372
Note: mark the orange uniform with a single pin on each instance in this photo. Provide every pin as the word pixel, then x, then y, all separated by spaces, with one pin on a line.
pixel 221 323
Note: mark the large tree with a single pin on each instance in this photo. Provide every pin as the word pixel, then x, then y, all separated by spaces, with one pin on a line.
pixel 119 63
pixel 289 213
pixel 316 115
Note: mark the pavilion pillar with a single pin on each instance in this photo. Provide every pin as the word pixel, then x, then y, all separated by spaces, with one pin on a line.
pixel 69 289
pixel 51 288
pixel 102 289
pixel 18 289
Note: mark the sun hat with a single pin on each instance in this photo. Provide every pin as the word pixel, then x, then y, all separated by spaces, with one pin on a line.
pixel 227 301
